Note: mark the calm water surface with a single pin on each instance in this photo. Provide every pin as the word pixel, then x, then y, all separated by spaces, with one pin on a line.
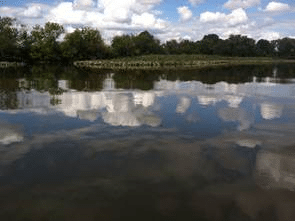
pixel 211 144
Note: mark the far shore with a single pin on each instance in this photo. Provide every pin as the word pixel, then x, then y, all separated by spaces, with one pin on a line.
pixel 176 61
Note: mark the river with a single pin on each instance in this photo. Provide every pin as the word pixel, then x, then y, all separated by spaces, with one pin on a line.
pixel 209 144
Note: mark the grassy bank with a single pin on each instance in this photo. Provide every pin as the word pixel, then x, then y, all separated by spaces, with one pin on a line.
pixel 5 64
pixel 175 61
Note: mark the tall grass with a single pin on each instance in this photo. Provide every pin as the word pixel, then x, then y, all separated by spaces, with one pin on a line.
pixel 174 61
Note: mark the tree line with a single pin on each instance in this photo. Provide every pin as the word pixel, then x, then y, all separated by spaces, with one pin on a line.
pixel 43 44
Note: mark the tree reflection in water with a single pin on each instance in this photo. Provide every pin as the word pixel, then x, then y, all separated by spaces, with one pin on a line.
pixel 185 147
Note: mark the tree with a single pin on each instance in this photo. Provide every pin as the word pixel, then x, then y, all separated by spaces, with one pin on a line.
pixel 145 43
pixel 264 48
pixel 188 47
pixel 84 44
pixel 171 47
pixel 8 39
pixel 237 45
pixel 286 47
pixel 123 46
pixel 208 44
pixel 44 42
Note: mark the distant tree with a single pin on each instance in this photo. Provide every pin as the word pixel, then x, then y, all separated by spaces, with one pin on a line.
pixel 188 47
pixel 264 48
pixel 145 43
pixel 123 46
pixel 44 42
pixel 8 39
pixel 286 47
pixel 208 43
pixel 130 45
pixel 84 44
pixel 237 45
pixel 171 47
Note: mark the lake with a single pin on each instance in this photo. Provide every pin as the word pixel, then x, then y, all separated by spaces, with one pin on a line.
pixel 209 144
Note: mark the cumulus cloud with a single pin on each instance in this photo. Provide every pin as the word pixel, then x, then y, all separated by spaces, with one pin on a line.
pixel 34 10
pixel 185 13
pixel 234 4
pixel 146 19
pixel 112 17
pixel 277 7
pixel 237 16
pixel 64 13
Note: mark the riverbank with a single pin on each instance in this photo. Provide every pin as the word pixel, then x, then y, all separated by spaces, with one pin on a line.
pixel 175 61
pixel 6 64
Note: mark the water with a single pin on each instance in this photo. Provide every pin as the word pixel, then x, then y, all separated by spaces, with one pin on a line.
pixel 211 144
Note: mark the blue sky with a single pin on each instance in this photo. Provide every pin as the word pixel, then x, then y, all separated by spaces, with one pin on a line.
pixel 166 19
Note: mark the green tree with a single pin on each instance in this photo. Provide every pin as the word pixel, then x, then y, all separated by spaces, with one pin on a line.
pixel 264 48
pixel 145 43
pixel 8 39
pixel 171 47
pixel 44 45
pixel 84 44
pixel 286 47
pixel 237 45
pixel 208 43
pixel 123 46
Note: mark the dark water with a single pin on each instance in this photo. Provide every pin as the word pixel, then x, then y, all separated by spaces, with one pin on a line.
pixel 210 144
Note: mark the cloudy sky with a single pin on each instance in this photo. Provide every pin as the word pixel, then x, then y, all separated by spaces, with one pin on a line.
pixel 166 19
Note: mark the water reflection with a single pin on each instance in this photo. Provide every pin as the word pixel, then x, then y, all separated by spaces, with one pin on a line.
pixel 179 150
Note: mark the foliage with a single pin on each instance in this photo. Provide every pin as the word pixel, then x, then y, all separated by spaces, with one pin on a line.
pixel 8 39
pixel 286 47
pixel 51 44
pixel 84 44
pixel 130 45
pixel 44 45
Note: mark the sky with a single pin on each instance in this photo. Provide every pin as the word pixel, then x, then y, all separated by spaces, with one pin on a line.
pixel 165 19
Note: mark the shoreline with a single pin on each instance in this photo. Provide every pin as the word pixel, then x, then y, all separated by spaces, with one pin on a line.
pixel 175 62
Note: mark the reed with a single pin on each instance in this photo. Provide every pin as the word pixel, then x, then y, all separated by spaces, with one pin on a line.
pixel 6 64
pixel 174 61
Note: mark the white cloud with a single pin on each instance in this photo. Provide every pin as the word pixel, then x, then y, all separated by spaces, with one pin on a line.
pixel 196 2
pixel 10 11
pixel 277 7
pixel 83 3
pixel 69 29
pixel 137 6
pixel 270 35
pixel 114 17
pixel 65 14
pixel 146 19
pixel 237 16
pixel 234 4
pixel 34 10
pixel 185 13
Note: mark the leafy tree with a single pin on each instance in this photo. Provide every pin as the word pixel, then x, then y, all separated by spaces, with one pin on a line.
pixel 188 47
pixel 264 48
pixel 84 44
pixel 286 47
pixel 8 39
pixel 208 43
pixel 237 45
pixel 123 46
pixel 44 42
pixel 171 47
pixel 145 43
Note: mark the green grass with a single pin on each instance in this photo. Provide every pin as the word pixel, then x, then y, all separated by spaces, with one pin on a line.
pixel 175 61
